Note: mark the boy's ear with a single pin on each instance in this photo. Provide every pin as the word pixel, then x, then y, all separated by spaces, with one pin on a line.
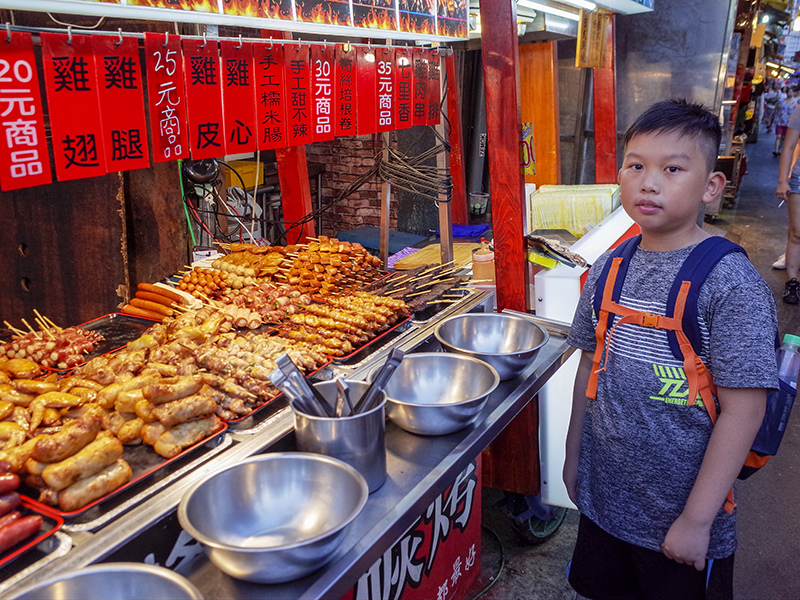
pixel 714 187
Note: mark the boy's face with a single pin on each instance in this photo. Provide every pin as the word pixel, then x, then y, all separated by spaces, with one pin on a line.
pixel 663 181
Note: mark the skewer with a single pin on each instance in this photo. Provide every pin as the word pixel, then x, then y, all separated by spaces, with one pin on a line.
pixel 48 323
pixel 28 325
pixel 43 327
pixel 395 291
pixel 14 329
pixel 419 293
pixel 452 296
pixel 448 271
pixel 442 301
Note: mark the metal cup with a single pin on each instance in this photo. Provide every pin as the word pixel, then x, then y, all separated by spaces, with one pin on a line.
pixel 358 440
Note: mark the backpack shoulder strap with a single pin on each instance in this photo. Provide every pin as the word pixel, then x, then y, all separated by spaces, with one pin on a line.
pixel 625 250
pixel 695 269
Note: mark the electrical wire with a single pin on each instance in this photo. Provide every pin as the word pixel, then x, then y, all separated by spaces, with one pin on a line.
pixel 496 577
pixel 95 26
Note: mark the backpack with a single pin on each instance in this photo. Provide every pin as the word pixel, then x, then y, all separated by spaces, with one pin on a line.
pixel 683 334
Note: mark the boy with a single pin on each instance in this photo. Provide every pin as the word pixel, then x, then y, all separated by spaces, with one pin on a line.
pixel 647 469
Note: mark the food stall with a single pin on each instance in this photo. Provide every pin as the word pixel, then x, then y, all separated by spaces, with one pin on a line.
pixel 419 533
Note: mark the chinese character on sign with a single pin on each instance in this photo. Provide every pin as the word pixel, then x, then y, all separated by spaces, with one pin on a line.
pixel 470 562
pixel 126 144
pixel 456 571
pixel 386 92
pixel 240 133
pixel 71 73
pixel 323 90
pixel 236 72
pixel 80 151
pixel 120 72
pixel 165 89
pixel 203 70
pixel 271 100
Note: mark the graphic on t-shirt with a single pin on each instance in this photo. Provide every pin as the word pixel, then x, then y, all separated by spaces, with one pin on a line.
pixel 674 387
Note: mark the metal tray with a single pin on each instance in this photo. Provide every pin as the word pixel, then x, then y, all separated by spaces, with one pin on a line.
pixel 50 524
pixel 146 465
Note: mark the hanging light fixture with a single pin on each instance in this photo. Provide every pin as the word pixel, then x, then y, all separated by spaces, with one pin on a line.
pixel 549 9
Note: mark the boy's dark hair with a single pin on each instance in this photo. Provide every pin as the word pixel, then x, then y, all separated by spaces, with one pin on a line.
pixel 684 118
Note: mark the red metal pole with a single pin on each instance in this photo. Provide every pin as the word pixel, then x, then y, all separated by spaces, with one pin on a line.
pixel 605 115
pixel 500 52
pixel 459 202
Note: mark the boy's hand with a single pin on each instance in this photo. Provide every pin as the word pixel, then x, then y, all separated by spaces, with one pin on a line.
pixel 570 476
pixel 687 542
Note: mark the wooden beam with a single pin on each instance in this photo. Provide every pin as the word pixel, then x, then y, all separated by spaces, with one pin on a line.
pixel 500 53
pixel 538 73
pixel 459 201
pixel 605 115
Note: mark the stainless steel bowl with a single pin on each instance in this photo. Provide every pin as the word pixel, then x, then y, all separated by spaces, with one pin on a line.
pixel 114 581
pixel 506 342
pixel 434 393
pixel 274 517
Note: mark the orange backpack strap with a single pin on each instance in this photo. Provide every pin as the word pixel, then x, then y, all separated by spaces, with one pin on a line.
pixel 602 328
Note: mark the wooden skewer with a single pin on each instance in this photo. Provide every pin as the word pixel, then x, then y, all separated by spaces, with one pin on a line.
pixel 14 329
pixel 32 330
pixel 442 301
pixel 448 271
pixel 395 291
pixel 43 327
pixel 452 296
pixel 481 281
pixel 419 293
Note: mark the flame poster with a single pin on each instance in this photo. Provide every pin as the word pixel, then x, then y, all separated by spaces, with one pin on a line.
pixel 375 14
pixel 270 9
pixel 326 12
pixel 195 5
pixel 451 18
pixel 418 16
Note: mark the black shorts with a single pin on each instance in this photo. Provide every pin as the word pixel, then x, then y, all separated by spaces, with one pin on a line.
pixel 606 568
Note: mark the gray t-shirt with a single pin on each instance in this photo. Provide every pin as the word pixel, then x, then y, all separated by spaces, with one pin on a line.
pixel 642 443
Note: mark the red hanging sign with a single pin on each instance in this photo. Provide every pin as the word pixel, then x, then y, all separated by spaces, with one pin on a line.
pixel 366 94
pixel 404 88
pixel 119 88
pixel 385 69
pixel 420 106
pixel 323 87
pixel 166 96
pixel 270 96
pixel 344 74
pixel 203 98
pixel 71 84
pixel 238 96
pixel 298 92
pixel 434 92
pixel 24 161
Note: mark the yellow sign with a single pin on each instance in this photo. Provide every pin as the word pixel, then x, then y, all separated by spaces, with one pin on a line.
pixel 592 34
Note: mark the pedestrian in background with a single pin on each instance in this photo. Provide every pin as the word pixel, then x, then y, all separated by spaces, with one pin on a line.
pixel 784 111
pixel 789 191
pixel 771 98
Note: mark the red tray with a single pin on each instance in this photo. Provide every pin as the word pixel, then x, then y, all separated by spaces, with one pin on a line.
pixel 371 342
pixel 51 523
pixel 144 462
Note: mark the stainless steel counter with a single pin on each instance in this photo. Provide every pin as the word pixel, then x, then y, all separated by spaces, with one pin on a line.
pixel 419 469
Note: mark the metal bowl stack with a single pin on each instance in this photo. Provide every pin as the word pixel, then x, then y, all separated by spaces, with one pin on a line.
pixel 274 517
pixel 433 393
pixel 508 343
pixel 114 581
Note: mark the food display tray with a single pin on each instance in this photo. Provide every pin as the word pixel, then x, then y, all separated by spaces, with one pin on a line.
pixel 147 467
pixel 51 522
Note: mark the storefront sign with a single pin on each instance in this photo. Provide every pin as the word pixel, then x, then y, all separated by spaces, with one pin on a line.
pixel 72 101
pixel 298 92
pixel 323 90
pixel 404 88
pixel 385 68
pixel 238 96
pixel 270 96
pixel 366 96
pixel 439 556
pixel 166 96
pixel 203 98
pixel 420 101
pixel 24 160
pixel 345 76
pixel 434 92
pixel 121 94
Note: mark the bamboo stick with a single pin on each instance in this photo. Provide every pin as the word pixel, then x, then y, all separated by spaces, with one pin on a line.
pixel 32 330
pixel 14 329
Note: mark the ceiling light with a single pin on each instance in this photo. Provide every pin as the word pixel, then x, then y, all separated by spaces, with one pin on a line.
pixel 584 4
pixel 765 19
pixel 771 64
pixel 549 9
pixel 796 24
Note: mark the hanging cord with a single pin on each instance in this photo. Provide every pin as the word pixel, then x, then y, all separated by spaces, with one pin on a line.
pixel 183 197
pixel 95 26
pixel 409 174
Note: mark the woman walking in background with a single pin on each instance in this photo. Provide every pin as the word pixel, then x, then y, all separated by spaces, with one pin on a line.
pixel 771 99
pixel 783 113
